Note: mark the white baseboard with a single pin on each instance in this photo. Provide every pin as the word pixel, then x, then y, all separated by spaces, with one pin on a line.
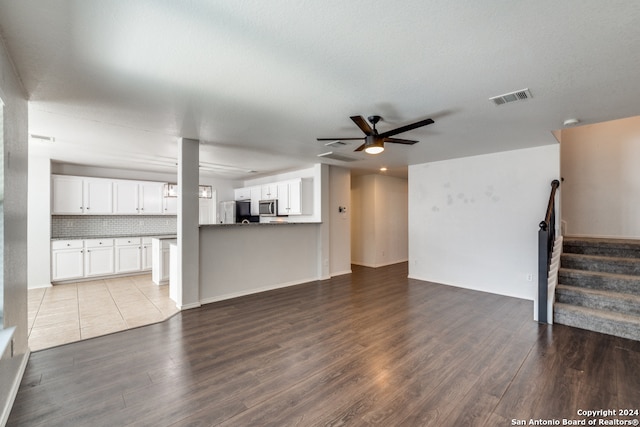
pixel 189 306
pixel 13 391
pixel 44 285
pixel 256 290
pixel 384 264
pixel 340 273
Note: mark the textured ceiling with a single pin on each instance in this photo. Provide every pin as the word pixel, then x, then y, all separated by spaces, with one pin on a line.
pixel 117 82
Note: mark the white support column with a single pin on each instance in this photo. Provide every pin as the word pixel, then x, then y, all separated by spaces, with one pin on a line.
pixel 324 235
pixel 188 228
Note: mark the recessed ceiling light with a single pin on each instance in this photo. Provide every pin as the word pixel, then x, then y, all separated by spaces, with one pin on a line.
pixel 383 169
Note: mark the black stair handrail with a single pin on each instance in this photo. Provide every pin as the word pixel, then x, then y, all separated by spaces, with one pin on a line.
pixel 546 237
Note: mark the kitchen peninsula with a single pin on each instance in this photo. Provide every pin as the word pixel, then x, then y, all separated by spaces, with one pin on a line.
pixel 241 259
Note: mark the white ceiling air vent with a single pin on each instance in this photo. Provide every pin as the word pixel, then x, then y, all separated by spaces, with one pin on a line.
pixel 43 138
pixel 335 144
pixel 336 156
pixel 518 95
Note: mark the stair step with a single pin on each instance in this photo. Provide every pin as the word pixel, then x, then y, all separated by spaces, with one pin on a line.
pixel 598 299
pixel 624 248
pixel 605 264
pixel 620 325
pixel 622 283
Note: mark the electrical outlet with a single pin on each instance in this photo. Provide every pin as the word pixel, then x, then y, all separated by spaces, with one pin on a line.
pixel 529 277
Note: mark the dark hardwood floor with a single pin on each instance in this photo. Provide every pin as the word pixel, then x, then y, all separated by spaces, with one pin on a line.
pixel 370 348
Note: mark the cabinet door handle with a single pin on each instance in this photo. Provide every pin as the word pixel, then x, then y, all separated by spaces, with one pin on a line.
pixel 88 208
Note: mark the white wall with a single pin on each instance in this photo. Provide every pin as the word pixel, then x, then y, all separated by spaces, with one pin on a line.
pixel 473 222
pixel 14 135
pixel 601 187
pixel 340 222
pixel 379 220
pixel 39 220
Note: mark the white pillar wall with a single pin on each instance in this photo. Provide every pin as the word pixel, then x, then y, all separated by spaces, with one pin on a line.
pixel 188 228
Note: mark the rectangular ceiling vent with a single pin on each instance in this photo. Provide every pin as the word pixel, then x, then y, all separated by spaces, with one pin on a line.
pixel 335 144
pixel 518 95
pixel 43 138
pixel 336 156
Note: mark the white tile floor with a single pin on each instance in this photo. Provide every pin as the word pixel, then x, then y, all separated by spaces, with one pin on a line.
pixel 71 312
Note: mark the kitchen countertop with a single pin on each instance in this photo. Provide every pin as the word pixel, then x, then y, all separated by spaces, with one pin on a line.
pixel 121 236
pixel 257 224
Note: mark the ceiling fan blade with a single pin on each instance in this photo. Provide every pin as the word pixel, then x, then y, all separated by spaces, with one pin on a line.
pixel 362 124
pixel 400 141
pixel 337 139
pixel 406 128
pixel 360 148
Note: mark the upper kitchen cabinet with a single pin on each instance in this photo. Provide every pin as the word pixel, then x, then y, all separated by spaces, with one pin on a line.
pixel 98 196
pixel 294 197
pixel 269 191
pixel 138 198
pixel 170 205
pixel 243 193
pixel 151 196
pixel 74 195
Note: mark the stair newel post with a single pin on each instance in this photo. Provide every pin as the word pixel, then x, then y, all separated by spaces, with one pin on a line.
pixel 543 262
pixel 546 237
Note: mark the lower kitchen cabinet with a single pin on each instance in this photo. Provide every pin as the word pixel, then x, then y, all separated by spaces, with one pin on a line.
pixel 146 254
pixel 128 255
pixel 77 259
pixel 98 257
pixel 67 260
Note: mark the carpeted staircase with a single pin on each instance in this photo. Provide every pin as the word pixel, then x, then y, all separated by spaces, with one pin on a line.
pixel 599 286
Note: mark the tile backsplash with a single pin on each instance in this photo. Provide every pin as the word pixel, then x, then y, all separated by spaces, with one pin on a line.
pixel 81 226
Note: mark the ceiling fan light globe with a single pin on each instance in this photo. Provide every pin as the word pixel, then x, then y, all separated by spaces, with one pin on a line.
pixel 374 149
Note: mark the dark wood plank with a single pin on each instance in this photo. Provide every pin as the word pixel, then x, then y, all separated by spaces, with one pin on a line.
pixel 369 348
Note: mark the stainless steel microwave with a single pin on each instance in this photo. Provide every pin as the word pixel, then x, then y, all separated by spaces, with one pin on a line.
pixel 268 207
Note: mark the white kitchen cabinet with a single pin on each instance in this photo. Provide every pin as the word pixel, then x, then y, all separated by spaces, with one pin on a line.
pixel 138 197
pixel 67 260
pixel 256 195
pixel 170 205
pixel 66 195
pixel 146 254
pixel 75 195
pixel 269 191
pixel 128 255
pixel 98 257
pixel 126 198
pixel 98 196
pixel 294 197
pixel 242 193
pixel 151 198
pixel 161 260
